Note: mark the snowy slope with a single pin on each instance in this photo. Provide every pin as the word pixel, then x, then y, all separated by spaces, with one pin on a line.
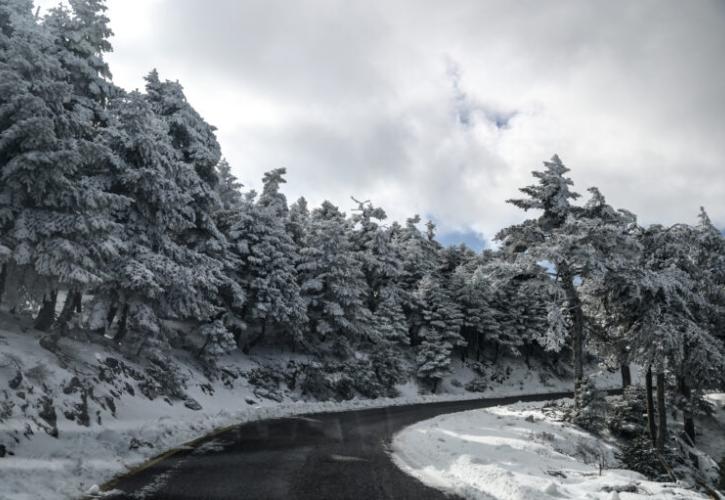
pixel 61 447
pixel 518 453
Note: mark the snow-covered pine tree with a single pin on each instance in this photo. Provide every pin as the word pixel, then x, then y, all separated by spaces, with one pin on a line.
pixel 26 121
pixel 56 213
pixel 272 198
pixel 267 272
pixel 229 189
pixel 333 284
pixel 709 257
pixel 160 275
pixel 420 253
pixel 299 217
pixel 421 256
pixel 472 291
pixel 198 154
pixel 190 134
pixel 697 355
pixel 382 267
pixel 655 301
pixel 81 36
pixel 614 234
pixel 521 303
pixel 389 321
pixel 439 330
pixel 232 295
pixel 541 239
pixel 575 241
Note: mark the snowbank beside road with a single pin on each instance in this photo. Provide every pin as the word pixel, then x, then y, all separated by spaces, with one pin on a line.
pixel 518 453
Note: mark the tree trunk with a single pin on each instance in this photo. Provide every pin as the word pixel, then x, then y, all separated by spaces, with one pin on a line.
pixel 577 329
pixel 66 313
pixel 626 376
pixel 46 315
pixel 141 346
pixel 688 421
pixel 250 345
pixel 462 351
pixel 435 385
pixel 110 316
pixel 661 410
pixel 650 407
pixel 78 302
pixel 122 324
pixel 3 278
pixel 203 347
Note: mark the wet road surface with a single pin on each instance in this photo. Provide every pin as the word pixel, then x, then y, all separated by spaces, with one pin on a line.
pixel 335 456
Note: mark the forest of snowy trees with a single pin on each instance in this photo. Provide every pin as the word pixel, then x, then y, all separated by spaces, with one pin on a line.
pixel 119 219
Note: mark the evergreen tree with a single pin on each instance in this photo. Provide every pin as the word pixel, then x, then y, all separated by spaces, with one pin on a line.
pixel 160 275
pixel 333 284
pixel 439 331
pixel 470 288
pixel 420 256
pixel 576 241
pixel 57 216
pixel 382 268
pixel 695 356
pixel 615 234
pixel 299 218
pixel 419 253
pixel 709 259
pixel 229 189
pixel 522 307
pixel 81 38
pixel 545 238
pixel 267 272
pixel 389 321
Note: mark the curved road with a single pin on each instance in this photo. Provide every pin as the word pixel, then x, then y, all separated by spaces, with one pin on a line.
pixel 332 456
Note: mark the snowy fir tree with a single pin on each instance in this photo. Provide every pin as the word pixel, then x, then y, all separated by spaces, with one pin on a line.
pixel 472 290
pixel 229 189
pixel 545 239
pixel 582 244
pixel 62 228
pixel 333 283
pixel 439 331
pixel 382 266
pixel 299 218
pixel 267 270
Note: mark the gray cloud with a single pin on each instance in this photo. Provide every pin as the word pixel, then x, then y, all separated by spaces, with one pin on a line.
pixel 444 108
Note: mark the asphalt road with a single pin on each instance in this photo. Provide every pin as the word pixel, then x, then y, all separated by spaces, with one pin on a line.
pixel 334 456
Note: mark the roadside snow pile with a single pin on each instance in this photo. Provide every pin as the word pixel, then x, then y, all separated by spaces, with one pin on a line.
pixel 517 452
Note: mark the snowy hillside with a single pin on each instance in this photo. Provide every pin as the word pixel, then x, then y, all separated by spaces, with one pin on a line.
pixel 78 417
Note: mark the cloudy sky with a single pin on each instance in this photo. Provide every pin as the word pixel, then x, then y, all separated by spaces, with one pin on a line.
pixel 444 108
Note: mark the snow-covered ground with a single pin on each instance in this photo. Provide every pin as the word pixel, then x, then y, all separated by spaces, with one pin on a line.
pixel 712 428
pixel 518 453
pixel 125 428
